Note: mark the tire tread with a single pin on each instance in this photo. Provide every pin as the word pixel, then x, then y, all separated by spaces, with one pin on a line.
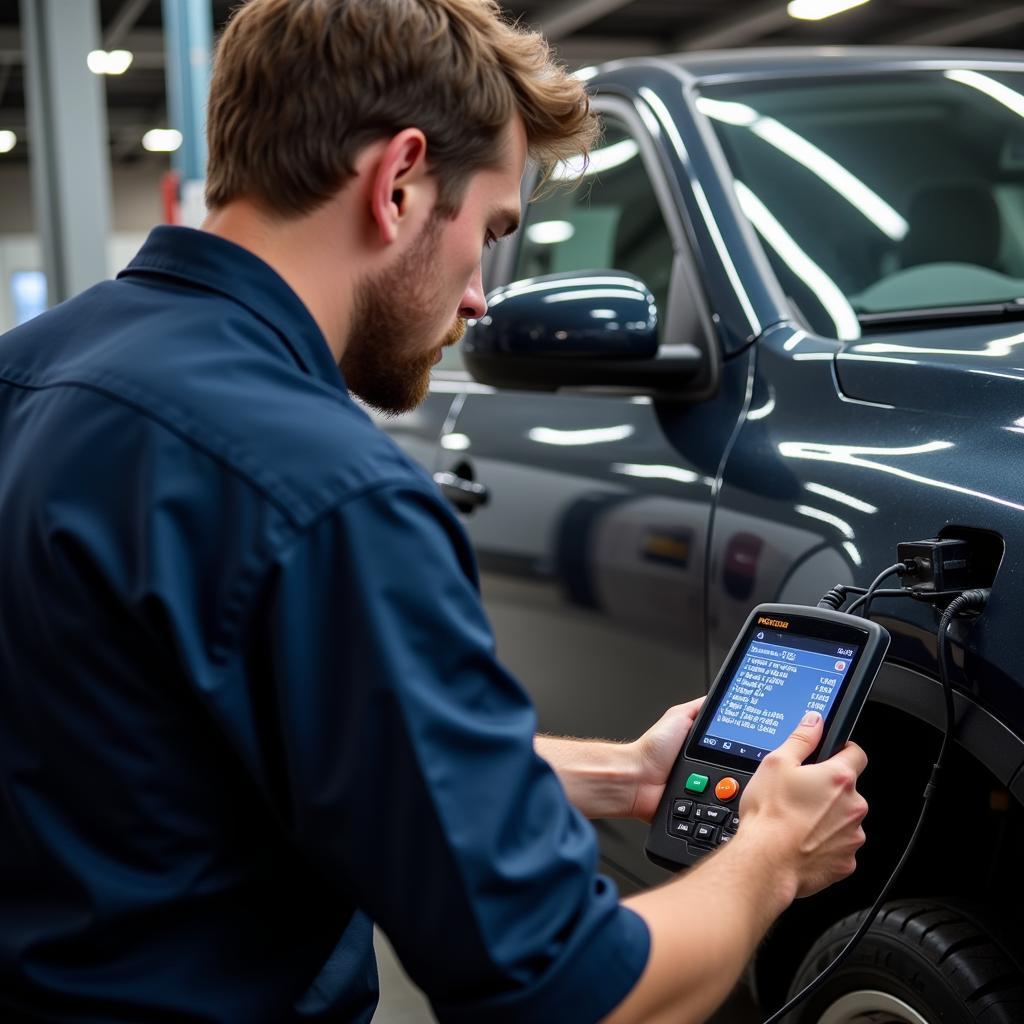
pixel 984 977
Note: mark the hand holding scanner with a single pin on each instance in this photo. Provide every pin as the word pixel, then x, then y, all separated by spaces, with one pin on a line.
pixel 787 660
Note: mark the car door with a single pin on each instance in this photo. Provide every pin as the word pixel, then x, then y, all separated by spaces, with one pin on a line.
pixel 588 520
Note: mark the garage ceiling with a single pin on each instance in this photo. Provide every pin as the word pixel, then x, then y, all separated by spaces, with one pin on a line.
pixel 583 31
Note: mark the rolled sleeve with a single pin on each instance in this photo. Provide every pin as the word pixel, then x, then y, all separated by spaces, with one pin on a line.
pixel 408 775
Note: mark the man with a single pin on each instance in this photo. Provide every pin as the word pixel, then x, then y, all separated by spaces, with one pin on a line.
pixel 249 701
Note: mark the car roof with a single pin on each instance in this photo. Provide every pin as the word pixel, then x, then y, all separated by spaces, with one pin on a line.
pixel 783 62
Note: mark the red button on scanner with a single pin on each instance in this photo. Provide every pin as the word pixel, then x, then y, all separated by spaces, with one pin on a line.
pixel 726 789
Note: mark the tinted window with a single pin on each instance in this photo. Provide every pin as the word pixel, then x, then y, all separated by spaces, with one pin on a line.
pixel 873 195
pixel 610 220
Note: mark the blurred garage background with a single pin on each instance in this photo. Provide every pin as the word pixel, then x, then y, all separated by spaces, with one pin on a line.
pixel 101 107
pixel 101 102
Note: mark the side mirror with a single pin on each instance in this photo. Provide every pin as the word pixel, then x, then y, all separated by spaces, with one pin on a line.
pixel 595 328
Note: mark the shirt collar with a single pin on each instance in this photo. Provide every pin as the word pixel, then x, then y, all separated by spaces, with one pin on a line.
pixel 205 259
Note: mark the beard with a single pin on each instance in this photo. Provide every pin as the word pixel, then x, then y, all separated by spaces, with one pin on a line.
pixel 388 312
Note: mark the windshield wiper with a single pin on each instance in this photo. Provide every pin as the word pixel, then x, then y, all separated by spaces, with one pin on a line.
pixel 938 316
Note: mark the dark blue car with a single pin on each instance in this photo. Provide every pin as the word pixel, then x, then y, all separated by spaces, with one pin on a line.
pixel 776 329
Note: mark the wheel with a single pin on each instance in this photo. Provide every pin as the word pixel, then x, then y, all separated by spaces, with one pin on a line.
pixel 921 962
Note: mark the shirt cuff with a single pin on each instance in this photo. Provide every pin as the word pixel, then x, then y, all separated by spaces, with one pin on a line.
pixel 585 984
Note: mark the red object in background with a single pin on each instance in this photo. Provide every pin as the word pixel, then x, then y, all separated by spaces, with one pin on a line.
pixel 170 195
pixel 740 571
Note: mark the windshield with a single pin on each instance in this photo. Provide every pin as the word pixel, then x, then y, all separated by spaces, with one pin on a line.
pixel 875 196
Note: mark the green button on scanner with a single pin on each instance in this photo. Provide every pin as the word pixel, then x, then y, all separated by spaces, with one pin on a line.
pixel 697 783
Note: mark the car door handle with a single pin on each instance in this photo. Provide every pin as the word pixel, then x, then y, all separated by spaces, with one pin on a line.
pixel 464 494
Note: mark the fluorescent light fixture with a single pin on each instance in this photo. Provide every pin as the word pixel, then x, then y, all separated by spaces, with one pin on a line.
pixel 593 293
pixel 532 285
pixel 851 549
pixel 852 455
pixel 550 232
pixel 826 517
pixel 455 442
pixel 596 435
pixel 815 10
pixel 112 62
pixel 998 348
pixel 846 499
pixel 828 292
pixel 161 140
pixel 851 188
pixel 600 160
pixel 765 410
pixel 727 112
pixel 677 473
pixel 584 74
pixel 990 87
pixel 849 453
pixel 8 140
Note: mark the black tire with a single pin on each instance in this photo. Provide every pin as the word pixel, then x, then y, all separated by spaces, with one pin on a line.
pixel 919 957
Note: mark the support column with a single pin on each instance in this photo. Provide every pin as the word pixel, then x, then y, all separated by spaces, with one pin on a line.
pixel 188 35
pixel 69 149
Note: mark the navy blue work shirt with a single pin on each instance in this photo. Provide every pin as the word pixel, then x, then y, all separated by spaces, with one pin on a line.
pixel 249 701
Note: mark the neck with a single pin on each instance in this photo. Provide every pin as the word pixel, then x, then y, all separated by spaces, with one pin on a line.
pixel 302 251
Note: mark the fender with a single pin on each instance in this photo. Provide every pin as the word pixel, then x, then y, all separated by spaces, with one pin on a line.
pixel 979 732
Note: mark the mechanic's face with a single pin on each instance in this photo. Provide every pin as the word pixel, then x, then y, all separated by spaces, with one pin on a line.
pixel 404 316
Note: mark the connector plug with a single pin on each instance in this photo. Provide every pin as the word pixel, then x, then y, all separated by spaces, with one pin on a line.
pixel 936 565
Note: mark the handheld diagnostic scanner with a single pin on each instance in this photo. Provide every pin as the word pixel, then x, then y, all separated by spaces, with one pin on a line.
pixel 787 660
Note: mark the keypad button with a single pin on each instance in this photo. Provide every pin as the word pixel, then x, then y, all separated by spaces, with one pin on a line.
pixel 733 823
pixel 726 789
pixel 709 812
pixel 696 783
pixel 724 838
pixel 706 833
pixel 681 808
pixel 683 829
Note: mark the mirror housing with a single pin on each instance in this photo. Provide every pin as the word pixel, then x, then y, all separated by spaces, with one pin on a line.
pixel 594 328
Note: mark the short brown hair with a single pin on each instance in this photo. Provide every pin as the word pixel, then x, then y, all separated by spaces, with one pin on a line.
pixel 301 86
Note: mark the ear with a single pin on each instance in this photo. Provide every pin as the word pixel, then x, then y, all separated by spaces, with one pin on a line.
pixel 401 188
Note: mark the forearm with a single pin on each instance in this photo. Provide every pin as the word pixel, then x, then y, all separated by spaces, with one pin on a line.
pixel 600 778
pixel 705 926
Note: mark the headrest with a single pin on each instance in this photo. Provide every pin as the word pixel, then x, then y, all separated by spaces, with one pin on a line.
pixel 952 222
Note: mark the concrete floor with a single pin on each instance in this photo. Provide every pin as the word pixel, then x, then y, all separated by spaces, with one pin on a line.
pixel 402 1003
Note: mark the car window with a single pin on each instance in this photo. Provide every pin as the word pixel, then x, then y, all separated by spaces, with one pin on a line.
pixel 607 218
pixel 881 194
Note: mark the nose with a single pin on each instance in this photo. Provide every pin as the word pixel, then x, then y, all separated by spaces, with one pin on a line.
pixel 473 305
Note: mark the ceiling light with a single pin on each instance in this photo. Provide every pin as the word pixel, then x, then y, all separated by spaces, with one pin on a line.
pixel 594 435
pixel 550 232
pixel 8 140
pixel 599 160
pixel 113 62
pixel 728 111
pixel 161 140
pixel 1009 98
pixel 815 10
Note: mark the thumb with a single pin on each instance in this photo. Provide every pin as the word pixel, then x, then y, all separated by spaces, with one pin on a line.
pixel 803 739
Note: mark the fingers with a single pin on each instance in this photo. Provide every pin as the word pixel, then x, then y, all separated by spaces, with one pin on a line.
pixel 802 741
pixel 853 756
pixel 690 710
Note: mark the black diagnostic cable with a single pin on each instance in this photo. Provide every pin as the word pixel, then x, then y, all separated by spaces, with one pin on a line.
pixel 836 597
pixel 898 569
pixel 969 600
